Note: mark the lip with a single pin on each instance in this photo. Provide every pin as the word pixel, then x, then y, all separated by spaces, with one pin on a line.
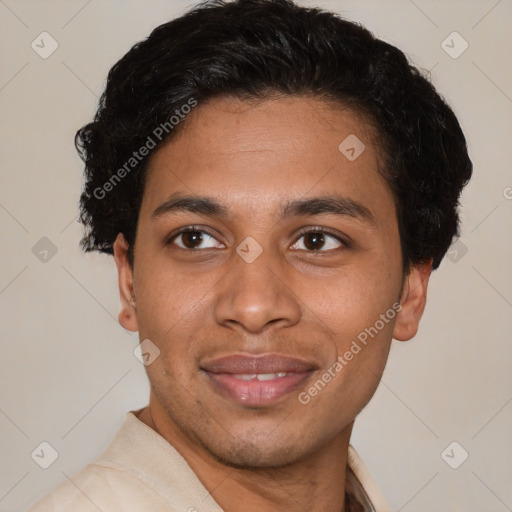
pixel 261 363
pixel 222 373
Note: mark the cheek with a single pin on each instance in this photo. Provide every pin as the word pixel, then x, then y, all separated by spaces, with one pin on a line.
pixel 363 339
pixel 354 299
pixel 170 303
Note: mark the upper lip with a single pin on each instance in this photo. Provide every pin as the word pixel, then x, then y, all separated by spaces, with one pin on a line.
pixel 249 364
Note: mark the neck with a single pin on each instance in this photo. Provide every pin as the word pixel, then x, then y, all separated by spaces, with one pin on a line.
pixel 315 483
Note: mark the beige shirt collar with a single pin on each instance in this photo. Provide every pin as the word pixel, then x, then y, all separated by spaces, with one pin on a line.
pixel 139 450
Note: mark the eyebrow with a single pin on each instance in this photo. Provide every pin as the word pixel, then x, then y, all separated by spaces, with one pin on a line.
pixel 194 204
pixel 333 205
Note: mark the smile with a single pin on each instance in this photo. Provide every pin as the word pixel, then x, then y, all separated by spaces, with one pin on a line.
pixel 260 376
pixel 257 380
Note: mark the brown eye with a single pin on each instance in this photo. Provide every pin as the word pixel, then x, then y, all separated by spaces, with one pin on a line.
pixel 191 239
pixel 314 241
pixel 318 240
pixel 195 239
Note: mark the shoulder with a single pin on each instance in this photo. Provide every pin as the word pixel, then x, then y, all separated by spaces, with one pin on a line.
pixel 101 488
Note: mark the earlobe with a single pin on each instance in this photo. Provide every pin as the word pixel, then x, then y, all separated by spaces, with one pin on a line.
pixel 414 298
pixel 127 315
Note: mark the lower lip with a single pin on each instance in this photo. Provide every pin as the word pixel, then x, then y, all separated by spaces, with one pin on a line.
pixel 255 392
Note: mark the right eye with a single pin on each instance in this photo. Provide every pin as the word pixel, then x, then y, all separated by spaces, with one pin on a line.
pixel 193 239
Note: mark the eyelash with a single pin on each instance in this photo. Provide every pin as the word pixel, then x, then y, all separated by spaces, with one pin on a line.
pixel 304 231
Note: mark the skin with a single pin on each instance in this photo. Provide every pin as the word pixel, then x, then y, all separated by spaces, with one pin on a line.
pixel 196 304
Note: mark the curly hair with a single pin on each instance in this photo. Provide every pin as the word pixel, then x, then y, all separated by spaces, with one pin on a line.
pixel 252 49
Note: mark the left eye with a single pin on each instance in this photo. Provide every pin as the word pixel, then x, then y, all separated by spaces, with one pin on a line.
pixel 312 239
pixel 194 239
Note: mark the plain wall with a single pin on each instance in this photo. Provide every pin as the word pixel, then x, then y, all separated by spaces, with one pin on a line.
pixel 67 372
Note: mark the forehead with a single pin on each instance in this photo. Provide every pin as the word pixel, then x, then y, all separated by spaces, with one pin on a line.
pixel 249 154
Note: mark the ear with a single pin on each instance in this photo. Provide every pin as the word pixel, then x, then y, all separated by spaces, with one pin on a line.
pixel 413 300
pixel 127 315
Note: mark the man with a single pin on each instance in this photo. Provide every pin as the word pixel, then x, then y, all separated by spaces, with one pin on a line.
pixel 276 186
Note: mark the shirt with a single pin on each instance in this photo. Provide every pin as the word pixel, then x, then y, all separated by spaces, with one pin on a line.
pixel 141 471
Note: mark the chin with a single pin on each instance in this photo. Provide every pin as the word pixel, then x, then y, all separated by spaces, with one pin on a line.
pixel 245 451
pixel 255 457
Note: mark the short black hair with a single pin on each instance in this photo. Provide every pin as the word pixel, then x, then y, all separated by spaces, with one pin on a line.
pixel 253 49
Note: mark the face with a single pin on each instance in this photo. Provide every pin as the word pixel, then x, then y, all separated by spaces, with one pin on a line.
pixel 268 272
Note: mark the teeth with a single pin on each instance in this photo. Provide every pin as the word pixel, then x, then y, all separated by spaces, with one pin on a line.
pixel 266 376
pixel 271 376
pixel 260 376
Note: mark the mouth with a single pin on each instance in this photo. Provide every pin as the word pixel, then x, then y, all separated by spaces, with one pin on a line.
pixel 257 381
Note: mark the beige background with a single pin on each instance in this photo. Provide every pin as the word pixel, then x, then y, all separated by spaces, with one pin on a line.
pixel 67 372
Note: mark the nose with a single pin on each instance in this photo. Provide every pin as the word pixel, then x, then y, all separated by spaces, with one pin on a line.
pixel 257 295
